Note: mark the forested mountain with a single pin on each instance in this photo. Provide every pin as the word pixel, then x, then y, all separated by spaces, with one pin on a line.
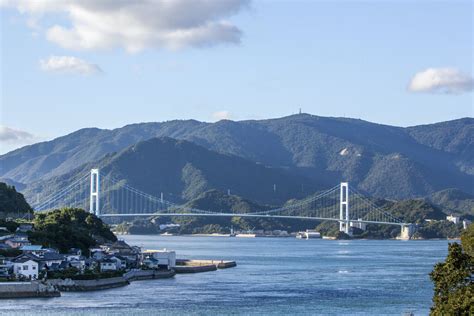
pixel 384 161
pixel 184 170
pixel 454 201
pixel 12 203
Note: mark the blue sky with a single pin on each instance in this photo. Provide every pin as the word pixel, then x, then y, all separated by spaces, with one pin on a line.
pixel 251 60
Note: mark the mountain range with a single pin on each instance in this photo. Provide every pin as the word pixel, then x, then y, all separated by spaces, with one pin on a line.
pixel 300 153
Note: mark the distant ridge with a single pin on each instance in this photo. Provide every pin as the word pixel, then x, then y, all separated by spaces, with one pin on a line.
pixel 382 160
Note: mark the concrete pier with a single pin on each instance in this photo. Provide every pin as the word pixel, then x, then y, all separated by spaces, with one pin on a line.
pixel 196 266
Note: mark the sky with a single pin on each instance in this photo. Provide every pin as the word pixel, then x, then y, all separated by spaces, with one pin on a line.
pixel 67 65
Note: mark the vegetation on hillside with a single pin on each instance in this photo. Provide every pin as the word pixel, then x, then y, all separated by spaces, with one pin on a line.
pixel 410 211
pixel 12 203
pixel 386 161
pixel 454 201
pixel 69 228
pixel 453 279
pixel 216 201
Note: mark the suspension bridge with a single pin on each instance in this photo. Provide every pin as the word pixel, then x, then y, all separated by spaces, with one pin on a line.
pixel 106 196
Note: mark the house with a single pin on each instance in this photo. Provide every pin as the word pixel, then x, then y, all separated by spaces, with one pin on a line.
pixel 454 219
pixel 150 262
pixel 34 249
pixel 97 254
pixel 17 242
pixel 24 228
pixel 49 258
pixel 74 254
pixel 79 263
pixel 120 262
pixel 108 265
pixel 27 266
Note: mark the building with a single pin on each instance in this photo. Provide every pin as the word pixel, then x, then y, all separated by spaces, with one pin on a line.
pixel 166 258
pixel 151 263
pixel 107 265
pixel 17 242
pixel 34 249
pixel 24 228
pixel 49 259
pixel 466 223
pixel 454 219
pixel 26 266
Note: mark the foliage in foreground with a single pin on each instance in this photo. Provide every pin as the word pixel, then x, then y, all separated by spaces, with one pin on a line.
pixel 70 228
pixel 453 279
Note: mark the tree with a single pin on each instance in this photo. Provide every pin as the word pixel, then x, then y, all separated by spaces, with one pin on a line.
pixel 70 228
pixel 453 279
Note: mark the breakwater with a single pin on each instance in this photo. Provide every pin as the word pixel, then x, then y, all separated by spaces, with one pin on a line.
pixel 137 274
pixel 27 290
pixel 196 266
pixel 69 285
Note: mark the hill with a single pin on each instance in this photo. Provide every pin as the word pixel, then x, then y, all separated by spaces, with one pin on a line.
pixel 12 203
pixel 184 170
pixel 385 161
pixel 70 228
pixel 454 201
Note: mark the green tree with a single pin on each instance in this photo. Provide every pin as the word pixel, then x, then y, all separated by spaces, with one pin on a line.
pixel 453 279
pixel 70 228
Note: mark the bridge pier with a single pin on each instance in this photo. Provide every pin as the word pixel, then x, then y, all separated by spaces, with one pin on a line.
pixel 407 231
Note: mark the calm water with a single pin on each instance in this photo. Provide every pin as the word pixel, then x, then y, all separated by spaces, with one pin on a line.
pixel 274 276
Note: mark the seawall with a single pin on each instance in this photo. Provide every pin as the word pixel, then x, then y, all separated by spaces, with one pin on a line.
pixel 137 274
pixel 27 290
pixel 68 285
pixel 196 266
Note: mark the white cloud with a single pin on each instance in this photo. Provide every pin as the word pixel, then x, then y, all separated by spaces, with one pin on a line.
pixel 136 24
pixel 12 138
pixel 221 115
pixel 12 135
pixel 69 64
pixel 441 80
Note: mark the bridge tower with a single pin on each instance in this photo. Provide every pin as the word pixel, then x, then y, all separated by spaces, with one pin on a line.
pixel 94 206
pixel 344 225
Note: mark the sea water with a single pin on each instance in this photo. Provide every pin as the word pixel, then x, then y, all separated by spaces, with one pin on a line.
pixel 278 276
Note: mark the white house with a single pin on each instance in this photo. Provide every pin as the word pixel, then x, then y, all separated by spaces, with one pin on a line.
pixel 108 265
pixel 166 258
pixel 466 223
pixel 454 219
pixel 26 266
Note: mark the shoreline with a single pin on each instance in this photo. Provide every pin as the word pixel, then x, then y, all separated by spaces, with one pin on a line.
pixel 278 237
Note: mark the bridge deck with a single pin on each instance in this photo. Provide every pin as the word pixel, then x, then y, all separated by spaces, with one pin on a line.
pixel 252 215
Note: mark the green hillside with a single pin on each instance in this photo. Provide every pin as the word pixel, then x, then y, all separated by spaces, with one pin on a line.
pixel 12 203
pixel 385 161
pixel 183 170
pixel 454 201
